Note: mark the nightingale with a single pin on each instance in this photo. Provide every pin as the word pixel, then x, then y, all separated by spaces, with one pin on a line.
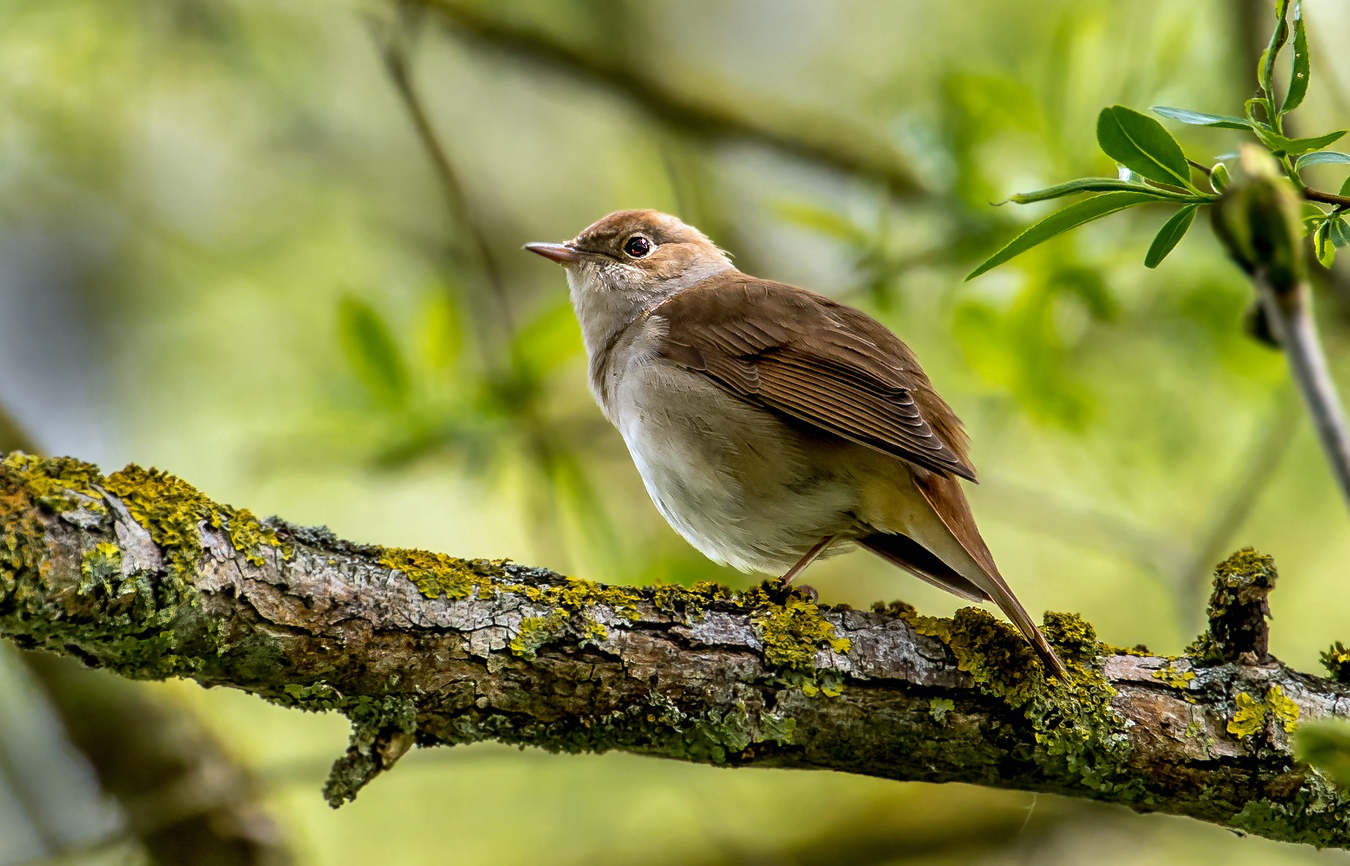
pixel 772 425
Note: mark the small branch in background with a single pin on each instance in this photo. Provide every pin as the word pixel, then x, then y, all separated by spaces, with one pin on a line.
pixel 186 799
pixel 1259 220
pixel 822 141
pixel 1287 311
pixel 1082 525
pixel 395 45
pixel 1254 474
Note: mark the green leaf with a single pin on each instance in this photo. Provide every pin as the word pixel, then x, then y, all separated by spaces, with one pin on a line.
pixel 372 352
pixel 1321 157
pixel 1345 187
pixel 820 220
pixel 1265 72
pixel 1302 71
pixel 1095 184
pixel 1325 744
pixel 1199 118
pixel 441 333
pixel 1295 146
pixel 1339 233
pixel 1057 223
pixel 1142 145
pixel 1219 178
pixel 1322 246
pixel 1170 235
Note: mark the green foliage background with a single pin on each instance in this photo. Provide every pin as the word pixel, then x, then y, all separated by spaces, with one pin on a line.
pixel 225 252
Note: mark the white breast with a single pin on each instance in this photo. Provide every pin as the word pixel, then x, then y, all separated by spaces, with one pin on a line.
pixel 729 477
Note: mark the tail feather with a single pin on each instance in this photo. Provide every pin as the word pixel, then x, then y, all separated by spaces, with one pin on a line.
pixel 913 557
pixel 956 524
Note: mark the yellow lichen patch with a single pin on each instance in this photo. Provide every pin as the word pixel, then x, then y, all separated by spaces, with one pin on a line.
pixel 535 631
pixel 171 510
pixel 793 632
pixel 248 535
pixel 27 483
pixel 1172 677
pixel 1251 714
pixel 575 594
pixel 1336 659
pixel 53 481
pixel 1249 718
pixel 1284 710
pixel 1074 637
pixel 436 574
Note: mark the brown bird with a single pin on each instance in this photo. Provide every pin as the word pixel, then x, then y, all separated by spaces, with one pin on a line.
pixel 772 425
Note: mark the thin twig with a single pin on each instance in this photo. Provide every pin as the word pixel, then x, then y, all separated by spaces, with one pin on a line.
pixel 394 46
pixel 394 51
pixel 1287 310
pixel 1340 201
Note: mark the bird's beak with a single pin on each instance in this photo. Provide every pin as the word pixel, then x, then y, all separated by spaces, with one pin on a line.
pixel 563 254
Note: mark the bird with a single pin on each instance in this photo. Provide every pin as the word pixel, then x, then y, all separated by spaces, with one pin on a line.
pixel 772 425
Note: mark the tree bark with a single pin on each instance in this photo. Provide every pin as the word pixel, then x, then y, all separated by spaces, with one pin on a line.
pixel 140 573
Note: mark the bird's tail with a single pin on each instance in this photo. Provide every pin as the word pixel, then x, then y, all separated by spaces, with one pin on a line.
pixel 945 548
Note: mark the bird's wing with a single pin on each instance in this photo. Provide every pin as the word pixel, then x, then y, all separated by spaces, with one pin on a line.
pixel 817 361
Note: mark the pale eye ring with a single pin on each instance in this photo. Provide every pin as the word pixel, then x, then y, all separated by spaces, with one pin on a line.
pixel 638 247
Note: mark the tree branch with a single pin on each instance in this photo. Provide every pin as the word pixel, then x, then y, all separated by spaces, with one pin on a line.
pixel 140 573
pixel 825 141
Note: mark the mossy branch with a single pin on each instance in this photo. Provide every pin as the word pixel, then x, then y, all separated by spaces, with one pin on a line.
pixel 140 573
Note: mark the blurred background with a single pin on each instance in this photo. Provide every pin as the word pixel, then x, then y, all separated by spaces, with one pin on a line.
pixel 273 246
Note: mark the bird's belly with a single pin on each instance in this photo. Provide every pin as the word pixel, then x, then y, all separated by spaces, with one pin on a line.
pixel 745 488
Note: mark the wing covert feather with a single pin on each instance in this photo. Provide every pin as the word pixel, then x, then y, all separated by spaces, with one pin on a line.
pixel 817 361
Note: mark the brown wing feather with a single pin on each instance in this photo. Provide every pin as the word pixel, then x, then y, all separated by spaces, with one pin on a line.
pixel 815 360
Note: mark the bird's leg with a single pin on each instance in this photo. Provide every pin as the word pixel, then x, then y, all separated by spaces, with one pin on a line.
pixel 816 550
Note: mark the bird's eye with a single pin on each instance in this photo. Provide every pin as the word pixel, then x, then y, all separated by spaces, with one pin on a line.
pixel 638 247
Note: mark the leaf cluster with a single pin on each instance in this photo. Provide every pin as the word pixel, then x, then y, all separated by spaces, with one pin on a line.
pixel 1153 168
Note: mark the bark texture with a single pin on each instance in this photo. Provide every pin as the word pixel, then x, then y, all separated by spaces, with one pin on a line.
pixel 140 573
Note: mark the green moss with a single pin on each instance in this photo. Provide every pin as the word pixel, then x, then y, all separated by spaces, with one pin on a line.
pixel 778 729
pixel 315 698
pixel 996 656
pixel 1336 659
pixel 1316 815
pixel 1238 608
pixel 100 568
pixel 938 708
pixel 1249 716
